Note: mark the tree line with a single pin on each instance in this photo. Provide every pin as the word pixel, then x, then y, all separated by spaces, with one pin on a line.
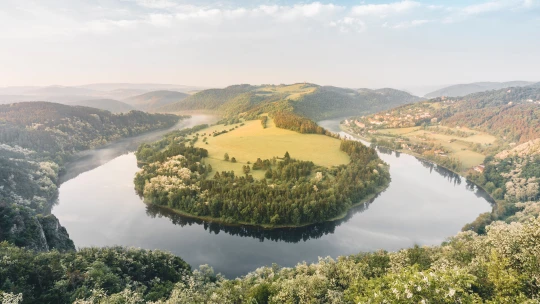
pixel 293 192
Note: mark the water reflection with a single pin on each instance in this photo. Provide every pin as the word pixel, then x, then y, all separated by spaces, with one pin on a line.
pixel 421 206
pixel 288 235
pixel 91 159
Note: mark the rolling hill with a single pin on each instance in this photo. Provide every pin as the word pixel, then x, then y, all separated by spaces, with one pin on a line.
pixel 511 114
pixel 151 101
pixel 309 100
pixel 469 88
pixel 534 85
pixel 110 105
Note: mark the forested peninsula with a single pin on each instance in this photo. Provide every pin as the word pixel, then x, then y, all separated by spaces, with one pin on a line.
pixel 288 192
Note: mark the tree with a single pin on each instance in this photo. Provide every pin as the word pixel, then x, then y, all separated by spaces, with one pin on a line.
pixel 287 156
pixel 268 173
pixel 226 157
pixel 233 160
pixel 246 169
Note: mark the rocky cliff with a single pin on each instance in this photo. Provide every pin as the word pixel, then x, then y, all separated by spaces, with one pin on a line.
pixel 21 226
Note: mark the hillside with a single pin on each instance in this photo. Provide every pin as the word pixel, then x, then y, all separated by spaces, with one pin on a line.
pixel 309 100
pixel 111 105
pixel 469 88
pixel 534 85
pixel 61 91
pixel 36 140
pixel 499 113
pixel 492 137
pixel 154 100
pixel 498 267
pixel 146 87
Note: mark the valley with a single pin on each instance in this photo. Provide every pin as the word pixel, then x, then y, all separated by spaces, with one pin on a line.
pixel 112 214
pixel 268 179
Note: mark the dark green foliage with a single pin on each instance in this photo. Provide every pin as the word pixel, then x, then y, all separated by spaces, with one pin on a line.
pixel 55 130
pixel 19 225
pixel 53 277
pixel 330 102
pixel 154 100
pixel 323 103
pixel 291 121
pixel 211 99
pixel 111 105
pixel 291 198
pixel 532 168
pixel 264 120
pixel 36 139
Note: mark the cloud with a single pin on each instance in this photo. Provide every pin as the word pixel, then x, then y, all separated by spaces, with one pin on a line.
pixel 408 24
pixel 382 10
pixel 483 7
pixel 106 26
pixel 349 24
pixel 529 3
pixel 160 4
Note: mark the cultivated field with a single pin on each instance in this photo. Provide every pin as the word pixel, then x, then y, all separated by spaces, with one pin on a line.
pixel 459 147
pixel 252 141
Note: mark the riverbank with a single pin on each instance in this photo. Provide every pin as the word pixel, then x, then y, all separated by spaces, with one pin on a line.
pixel 267 226
pixel 494 202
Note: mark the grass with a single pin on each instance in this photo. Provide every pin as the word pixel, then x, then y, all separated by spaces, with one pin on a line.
pixel 294 91
pixel 459 147
pixel 399 131
pixel 252 141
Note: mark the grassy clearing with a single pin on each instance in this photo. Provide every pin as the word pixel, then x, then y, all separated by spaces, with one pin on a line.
pixel 399 131
pixel 294 91
pixel 251 141
pixel 459 147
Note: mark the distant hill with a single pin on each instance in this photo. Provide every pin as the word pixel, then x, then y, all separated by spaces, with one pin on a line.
pixel 511 114
pixel 17 90
pixel 309 100
pixel 145 87
pixel 151 101
pixel 120 94
pixel 62 91
pixel 534 85
pixel 110 105
pixel 466 89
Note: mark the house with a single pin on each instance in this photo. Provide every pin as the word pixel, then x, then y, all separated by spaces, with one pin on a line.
pixel 479 168
pixel 359 124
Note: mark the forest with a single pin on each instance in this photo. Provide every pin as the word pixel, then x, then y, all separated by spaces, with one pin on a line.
pixel 36 141
pixel 511 114
pixel 512 177
pixel 293 192
pixel 304 99
pixel 500 266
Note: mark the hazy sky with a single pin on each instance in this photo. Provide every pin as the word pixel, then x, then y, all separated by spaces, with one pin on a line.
pixel 217 43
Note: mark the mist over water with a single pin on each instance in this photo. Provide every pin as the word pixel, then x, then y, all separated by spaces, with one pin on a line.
pixel 424 205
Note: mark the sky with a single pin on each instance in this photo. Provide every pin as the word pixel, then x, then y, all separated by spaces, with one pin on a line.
pixel 400 44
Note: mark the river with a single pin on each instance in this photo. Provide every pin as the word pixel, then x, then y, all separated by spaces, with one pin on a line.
pixel 424 205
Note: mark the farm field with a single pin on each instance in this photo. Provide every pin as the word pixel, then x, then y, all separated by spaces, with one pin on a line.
pixel 251 141
pixel 459 147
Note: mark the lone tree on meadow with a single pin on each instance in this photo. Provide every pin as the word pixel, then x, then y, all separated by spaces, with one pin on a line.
pixel 233 160
pixel 226 157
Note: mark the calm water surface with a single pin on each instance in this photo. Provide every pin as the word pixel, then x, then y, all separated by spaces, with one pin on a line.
pixel 424 205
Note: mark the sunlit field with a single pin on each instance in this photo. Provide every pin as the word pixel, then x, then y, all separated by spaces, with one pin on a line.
pixel 252 141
